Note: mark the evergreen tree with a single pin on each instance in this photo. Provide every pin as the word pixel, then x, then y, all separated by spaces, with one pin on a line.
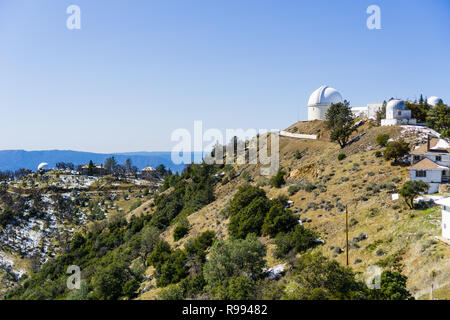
pixel 438 118
pixel 91 168
pixel 340 121
pixel 110 164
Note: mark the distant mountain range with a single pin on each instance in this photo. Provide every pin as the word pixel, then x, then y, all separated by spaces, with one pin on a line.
pixel 16 159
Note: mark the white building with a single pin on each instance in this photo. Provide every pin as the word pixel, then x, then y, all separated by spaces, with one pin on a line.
pixel 433 101
pixel 431 163
pixel 320 100
pixel 396 114
pixel 445 204
pixel 369 111
pixel 42 166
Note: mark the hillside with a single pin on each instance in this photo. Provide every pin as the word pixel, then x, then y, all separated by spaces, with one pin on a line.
pixel 396 236
pixel 141 244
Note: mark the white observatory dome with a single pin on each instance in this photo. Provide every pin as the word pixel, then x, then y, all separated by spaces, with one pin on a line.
pixel 395 105
pixel 324 96
pixel 42 166
pixel 433 101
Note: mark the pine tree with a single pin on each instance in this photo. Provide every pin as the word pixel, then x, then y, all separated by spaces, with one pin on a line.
pixel 91 168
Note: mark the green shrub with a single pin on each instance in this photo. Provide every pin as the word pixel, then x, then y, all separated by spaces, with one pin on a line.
pixel 308 186
pixel 382 139
pixel 179 232
pixel 341 156
pixel 378 154
pixel 246 176
pixel 277 220
pixel 411 189
pixel 392 287
pixel 250 219
pixel 278 180
pixel 232 258
pixel 239 288
pixel 298 240
pixel 130 288
pixel 317 278
pixel 244 196
pixel 293 190
pixel 171 292
pixel 396 150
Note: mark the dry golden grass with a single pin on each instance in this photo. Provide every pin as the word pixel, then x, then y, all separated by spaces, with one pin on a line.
pixel 390 226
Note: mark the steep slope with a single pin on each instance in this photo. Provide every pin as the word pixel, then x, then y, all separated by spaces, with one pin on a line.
pixel 383 232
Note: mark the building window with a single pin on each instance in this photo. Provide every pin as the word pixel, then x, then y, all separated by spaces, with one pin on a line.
pixel 438 158
pixel 417 158
pixel 399 113
pixel 421 173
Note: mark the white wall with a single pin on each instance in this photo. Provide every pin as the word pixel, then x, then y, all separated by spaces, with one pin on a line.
pixel 389 122
pixel 372 109
pixel 433 178
pixel 298 135
pixel 446 222
pixel 317 112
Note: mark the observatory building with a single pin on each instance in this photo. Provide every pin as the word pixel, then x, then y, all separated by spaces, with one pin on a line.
pixel 434 101
pixel 42 166
pixel 396 114
pixel 320 100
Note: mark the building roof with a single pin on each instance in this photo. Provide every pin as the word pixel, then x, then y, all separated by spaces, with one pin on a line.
pixel 436 146
pixel 323 96
pixel 427 164
pixel 86 166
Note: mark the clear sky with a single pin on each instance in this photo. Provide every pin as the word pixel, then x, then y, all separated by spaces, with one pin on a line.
pixel 137 70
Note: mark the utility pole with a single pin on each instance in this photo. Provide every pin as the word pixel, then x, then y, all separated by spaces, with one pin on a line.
pixel 433 276
pixel 346 231
pixel 432 295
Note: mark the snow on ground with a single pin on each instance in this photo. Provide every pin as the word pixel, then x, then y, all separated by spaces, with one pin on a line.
pixel 419 131
pixel 74 182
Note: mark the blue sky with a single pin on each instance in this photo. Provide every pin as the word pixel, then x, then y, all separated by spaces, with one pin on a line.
pixel 137 70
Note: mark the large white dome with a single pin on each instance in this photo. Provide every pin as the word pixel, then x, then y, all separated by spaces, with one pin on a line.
pixel 395 105
pixel 324 96
pixel 433 101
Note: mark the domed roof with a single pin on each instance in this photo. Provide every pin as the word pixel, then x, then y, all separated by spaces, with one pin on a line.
pixel 395 104
pixel 324 95
pixel 433 101
pixel 42 165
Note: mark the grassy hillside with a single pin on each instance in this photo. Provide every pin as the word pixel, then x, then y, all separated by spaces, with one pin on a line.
pixel 168 245
pixel 397 238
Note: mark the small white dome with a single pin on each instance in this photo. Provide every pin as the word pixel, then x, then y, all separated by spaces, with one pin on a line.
pixel 324 96
pixel 42 166
pixel 395 105
pixel 433 101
